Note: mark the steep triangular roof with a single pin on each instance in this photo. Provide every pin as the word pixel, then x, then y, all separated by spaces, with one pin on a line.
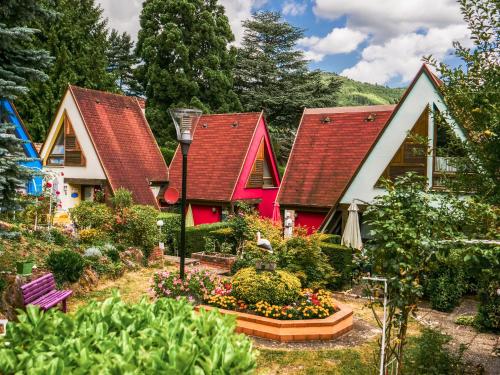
pixel 122 139
pixel 216 156
pixel 329 146
pixel 423 92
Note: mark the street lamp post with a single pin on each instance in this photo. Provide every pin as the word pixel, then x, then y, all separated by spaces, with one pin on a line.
pixel 184 120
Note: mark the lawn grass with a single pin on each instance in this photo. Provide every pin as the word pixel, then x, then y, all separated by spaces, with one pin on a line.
pixel 356 361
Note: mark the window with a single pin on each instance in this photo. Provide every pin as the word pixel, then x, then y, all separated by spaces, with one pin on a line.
pixel 56 156
pixel 66 149
pixel 261 175
pixel 412 155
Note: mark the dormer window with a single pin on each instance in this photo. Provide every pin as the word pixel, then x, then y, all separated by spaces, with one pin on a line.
pixel 66 150
pixel 261 175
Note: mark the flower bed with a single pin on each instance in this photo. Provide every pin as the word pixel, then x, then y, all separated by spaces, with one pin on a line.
pixel 216 259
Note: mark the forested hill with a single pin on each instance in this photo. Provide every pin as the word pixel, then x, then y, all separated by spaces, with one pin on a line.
pixel 361 93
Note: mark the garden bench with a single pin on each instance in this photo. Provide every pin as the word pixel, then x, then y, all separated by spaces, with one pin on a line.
pixel 42 292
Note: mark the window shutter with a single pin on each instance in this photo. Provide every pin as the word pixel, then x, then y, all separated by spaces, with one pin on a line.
pixel 73 158
pixel 257 176
pixel 71 143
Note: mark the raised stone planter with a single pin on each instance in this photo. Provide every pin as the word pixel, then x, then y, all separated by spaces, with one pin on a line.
pixel 216 259
pixel 292 330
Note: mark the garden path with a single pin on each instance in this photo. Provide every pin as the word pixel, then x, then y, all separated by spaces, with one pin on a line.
pixel 483 348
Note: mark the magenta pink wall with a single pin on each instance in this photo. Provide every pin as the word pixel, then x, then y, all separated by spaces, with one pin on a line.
pixel 310 220
pixel 204 214
pixel 268 195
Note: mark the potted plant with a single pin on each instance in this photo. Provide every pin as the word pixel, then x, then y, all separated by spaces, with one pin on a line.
pixel 25 265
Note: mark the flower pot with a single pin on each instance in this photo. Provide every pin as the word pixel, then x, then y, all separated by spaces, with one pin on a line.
pixel 24 268
pixel 3 327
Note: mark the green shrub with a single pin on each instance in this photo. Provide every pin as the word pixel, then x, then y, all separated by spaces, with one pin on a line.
pixel 331 238
pixel 121 199
pixel 276 287
pixel 341 259
pixel 466 320
pixel 114 337
pixel 111 252
pixel 92 236
pixel 170 229
pixel 445 289
pixel 139 228
pixel 103 266
pixel 195 236
pixel 429 354
pixel 303 257
pixel 66 265
pixel 488 314
pixel 58 237
pixel 92 215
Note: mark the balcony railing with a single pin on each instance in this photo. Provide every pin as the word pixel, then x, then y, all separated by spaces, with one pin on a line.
pixel 445 164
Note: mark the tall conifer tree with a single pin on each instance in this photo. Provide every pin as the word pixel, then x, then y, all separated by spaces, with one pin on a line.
pixel 186 60
pixel 20 64
pixel 77 37
pixel 272 74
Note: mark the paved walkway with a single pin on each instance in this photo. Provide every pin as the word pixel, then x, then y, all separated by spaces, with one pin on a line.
pixel 483 348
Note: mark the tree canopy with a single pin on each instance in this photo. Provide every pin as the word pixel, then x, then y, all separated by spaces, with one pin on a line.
pixel 272 75
pixel 185 59
pixel 77 37
pixel 471 94
pixel 20 64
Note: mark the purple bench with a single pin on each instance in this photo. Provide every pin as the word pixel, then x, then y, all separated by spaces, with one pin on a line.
pixel 42 292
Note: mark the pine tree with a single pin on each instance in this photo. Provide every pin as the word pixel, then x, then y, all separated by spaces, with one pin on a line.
pixel 20 64
pixel 186 60
pixel 272 74
pixel 77 37
pixel 122 60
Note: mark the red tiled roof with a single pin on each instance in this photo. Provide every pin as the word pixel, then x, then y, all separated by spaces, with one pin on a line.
pixel 326 155
pixel 123 141
pixel 216 156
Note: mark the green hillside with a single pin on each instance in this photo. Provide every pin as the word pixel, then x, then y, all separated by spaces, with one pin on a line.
pixel 361 93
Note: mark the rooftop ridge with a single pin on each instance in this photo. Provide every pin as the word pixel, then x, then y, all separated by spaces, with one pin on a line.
pixel 350 109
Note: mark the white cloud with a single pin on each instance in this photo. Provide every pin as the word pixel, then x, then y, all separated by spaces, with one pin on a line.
pixel 124 15
pixel 401 56
pixel 293 8
pixel 386 19
pixel 339 40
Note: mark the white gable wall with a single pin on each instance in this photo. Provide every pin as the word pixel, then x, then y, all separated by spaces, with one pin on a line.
pixel 423 93
pixel 92 169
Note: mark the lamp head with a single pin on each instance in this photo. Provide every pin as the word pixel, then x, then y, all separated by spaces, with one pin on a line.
pixel 160 223
pixel 184 120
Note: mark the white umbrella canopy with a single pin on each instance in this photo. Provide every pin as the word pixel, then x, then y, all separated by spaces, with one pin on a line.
pixel 352 233
pixel 189 217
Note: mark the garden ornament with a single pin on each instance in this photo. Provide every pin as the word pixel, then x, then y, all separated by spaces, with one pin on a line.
pixel 264 243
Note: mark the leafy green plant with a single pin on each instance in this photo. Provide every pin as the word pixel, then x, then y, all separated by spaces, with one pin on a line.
pixel 113 337
pixel 305 259
pixel 341 260
pixel 66 265
pixel 92 215
pixel 276 287
pixel 466 320
pixel 428 354
pixel 138 228
pixel 92 236
pixel 121 199
pixel 111 252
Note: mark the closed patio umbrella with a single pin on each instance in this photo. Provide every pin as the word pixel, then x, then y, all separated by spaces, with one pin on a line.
pixel 189 217
pixel 276 218
pixel 352 233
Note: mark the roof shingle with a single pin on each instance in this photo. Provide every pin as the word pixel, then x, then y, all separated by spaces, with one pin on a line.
pixel 326 155
pixel 216 156
pixel 123 141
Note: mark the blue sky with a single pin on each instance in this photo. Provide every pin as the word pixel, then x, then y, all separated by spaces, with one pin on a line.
pixel 376 41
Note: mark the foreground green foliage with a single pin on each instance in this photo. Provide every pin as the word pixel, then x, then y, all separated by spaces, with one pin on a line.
pixel 116 338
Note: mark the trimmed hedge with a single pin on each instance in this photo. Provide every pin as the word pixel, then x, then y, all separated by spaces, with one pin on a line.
pixel 340 257
pixel 195 236
pixel 331 238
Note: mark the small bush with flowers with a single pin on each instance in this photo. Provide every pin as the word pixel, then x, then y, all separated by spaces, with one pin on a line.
pixel 311 305
pixel 198 285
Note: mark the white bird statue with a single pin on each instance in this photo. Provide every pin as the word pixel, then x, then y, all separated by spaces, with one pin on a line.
pixel 264 243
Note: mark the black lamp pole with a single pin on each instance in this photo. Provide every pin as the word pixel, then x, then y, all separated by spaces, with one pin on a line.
pixel 185 149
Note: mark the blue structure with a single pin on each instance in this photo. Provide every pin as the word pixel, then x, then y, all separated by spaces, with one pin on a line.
pixel 9 114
